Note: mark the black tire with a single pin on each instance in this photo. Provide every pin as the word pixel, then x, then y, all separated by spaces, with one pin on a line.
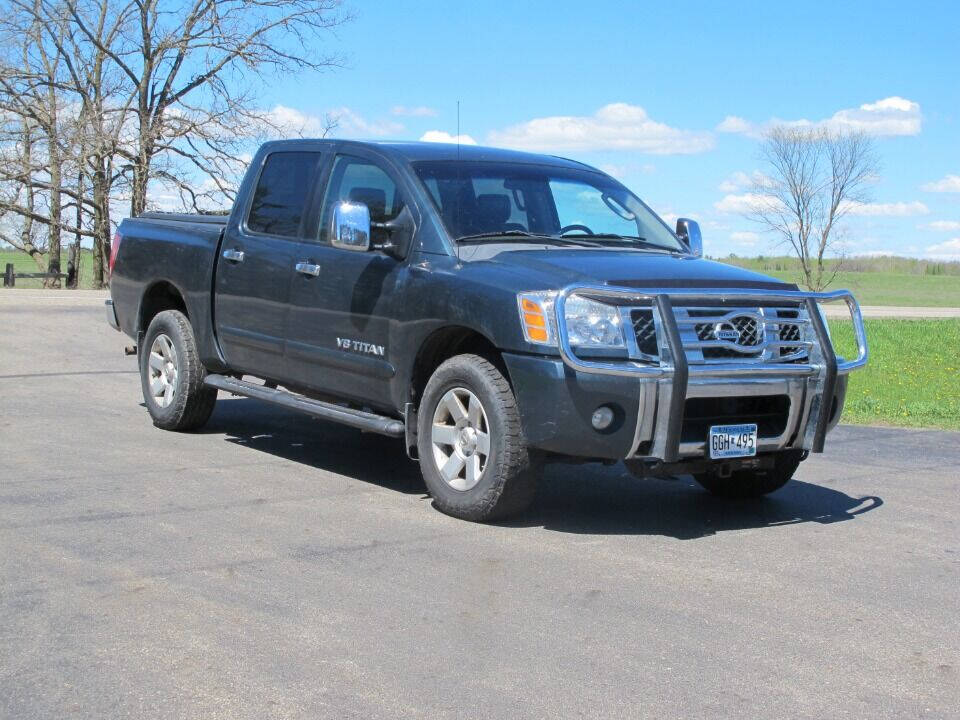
pixel 508 482
pixel 192 402
pixel 753 483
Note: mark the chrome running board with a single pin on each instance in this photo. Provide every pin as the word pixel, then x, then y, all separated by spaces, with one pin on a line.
pixel 360 419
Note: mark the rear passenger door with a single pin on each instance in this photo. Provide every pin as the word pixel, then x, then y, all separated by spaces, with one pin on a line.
pixel 343 310
pixel 256 263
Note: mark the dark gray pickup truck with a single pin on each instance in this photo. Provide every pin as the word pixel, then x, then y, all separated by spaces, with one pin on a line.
pixel 492 309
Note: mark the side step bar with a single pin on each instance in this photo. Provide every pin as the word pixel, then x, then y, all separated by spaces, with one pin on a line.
pixel 370 422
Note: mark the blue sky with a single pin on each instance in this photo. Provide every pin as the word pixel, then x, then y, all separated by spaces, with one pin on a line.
pixel 669 96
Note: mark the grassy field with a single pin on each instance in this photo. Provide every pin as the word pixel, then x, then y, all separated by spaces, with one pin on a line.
pixel 912 378
pixel 877 281
pixel 22 263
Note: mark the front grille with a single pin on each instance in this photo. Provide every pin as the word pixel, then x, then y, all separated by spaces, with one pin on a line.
pixel 724 334
pixel 790 332
pixel 645 331
pixel 769 412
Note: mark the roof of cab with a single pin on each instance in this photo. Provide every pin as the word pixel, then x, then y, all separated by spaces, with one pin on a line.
pixel 422 151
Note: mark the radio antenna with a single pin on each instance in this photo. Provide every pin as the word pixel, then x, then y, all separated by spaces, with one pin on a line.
pixel 459 194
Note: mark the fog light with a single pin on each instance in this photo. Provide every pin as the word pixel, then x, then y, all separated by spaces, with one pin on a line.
pixel 602 417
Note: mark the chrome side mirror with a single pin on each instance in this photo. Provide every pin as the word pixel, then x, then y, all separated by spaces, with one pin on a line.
pixel 351 227
pixel 689 231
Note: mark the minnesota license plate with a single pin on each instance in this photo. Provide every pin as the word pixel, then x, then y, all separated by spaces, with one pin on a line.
pixel 729 441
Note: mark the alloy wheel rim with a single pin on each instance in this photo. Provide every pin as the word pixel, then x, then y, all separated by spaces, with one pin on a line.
pixel 460 436
pixel 164 370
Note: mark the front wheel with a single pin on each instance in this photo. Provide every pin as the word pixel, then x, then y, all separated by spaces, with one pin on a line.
pixel 753 483
pixel 171 374
pixel 473 454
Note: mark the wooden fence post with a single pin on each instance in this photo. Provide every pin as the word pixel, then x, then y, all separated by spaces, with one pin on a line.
pixel 8 276
pixel 72 268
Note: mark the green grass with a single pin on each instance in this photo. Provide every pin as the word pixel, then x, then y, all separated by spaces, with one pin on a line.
pixel 877 281
pixel 22 263
pixel 913 375
pixel 893 289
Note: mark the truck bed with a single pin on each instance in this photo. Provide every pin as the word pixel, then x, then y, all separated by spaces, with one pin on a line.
pixel 204 218
pixel 175 249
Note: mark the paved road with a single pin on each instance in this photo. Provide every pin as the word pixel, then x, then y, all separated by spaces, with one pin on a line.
pixel 273 566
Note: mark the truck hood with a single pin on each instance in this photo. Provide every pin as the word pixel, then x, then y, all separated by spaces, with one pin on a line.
pixel 555 268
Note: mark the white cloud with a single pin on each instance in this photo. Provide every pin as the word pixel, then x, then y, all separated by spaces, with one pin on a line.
pixel 669 217
pixel 623 170
pixel 743 203
pixel 748 202
pixel 949 250
pixel 941 226
pixel 352 124
pixel 618 126
pixel 439 136
pixel 617 171
pixel 899 209
pixel 734 124
pixel 418 111
pixel 735 182
pixel 745 238
pixel 291 122
pixel 949 183
pixel 891 116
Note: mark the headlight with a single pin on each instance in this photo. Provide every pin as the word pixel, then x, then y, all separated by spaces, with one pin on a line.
pixel 590 324
pixel 593 324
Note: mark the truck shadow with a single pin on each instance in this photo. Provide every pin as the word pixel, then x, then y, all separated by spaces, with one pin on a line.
pixel 581 499
pixel 590 499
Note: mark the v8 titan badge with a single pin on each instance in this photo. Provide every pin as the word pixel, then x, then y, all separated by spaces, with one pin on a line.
pixel 358 346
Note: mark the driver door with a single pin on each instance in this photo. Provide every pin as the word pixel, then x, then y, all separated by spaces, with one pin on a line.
pixel 343 308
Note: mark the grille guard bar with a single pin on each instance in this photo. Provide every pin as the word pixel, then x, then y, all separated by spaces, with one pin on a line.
pixel 673 372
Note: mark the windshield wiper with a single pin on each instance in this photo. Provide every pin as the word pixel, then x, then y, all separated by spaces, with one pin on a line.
pixel 522 235
pixel 631 239
pixel 607 236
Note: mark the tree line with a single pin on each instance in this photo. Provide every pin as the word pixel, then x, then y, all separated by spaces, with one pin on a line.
pixel 103 101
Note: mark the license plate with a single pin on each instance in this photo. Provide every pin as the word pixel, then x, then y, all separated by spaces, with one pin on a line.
pixel 728 441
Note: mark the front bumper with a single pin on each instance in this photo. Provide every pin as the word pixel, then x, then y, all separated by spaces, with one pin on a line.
pixel 557 403
pixel 663 408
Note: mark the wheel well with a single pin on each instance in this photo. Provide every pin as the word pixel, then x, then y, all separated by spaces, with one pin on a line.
pixel 161 296
pixel 445 344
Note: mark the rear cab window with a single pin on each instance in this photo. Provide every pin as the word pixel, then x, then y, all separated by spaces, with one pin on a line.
pixel 282 192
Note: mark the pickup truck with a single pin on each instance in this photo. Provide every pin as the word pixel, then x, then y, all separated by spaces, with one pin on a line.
pixel 493 310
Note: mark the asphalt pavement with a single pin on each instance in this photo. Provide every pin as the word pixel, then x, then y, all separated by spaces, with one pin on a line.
pixel 276 566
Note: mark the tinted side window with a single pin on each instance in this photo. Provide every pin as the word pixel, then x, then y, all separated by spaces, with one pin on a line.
pixel 360 181
pixel 281 193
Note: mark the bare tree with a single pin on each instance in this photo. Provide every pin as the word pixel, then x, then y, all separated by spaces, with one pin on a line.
pixel 32 103
pixel 185 65
pixel 811 179
pixel 101 98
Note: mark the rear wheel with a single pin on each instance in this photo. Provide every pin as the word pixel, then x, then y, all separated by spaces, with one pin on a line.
pixel 753 483
pixel 473 454
pixel 171 374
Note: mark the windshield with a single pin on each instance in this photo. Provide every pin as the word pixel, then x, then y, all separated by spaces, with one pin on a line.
pixel 499 199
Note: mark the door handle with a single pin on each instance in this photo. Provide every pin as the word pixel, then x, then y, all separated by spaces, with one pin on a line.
pixel 305 268
pixel 233 255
